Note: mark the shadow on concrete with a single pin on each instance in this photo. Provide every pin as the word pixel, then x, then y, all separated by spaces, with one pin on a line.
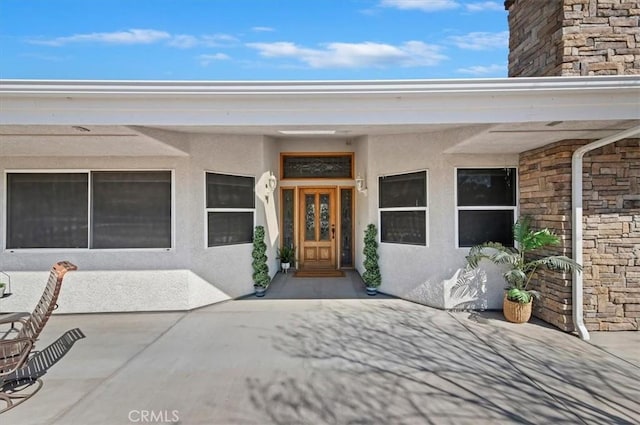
pixel 40 362
pixel 407 364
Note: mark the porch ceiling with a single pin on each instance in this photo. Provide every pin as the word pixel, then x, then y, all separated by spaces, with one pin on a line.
pixel 502 138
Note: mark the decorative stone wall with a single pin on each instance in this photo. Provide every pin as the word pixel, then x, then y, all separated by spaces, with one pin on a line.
pixel 573 37
pixel 611 209
pixel 535 38
pixel 611 236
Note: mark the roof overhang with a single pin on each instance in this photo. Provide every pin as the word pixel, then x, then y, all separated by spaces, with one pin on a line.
pixel 488 115
pixel 313 103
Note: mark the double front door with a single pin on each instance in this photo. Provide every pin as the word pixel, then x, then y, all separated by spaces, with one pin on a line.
pixel 317 224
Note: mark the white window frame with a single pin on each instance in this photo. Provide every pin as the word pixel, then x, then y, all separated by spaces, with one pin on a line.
pixel 208 210
pixel 515 208
pixel 89 214
pixel 425 209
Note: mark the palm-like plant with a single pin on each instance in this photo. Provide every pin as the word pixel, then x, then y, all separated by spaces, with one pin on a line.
pixel 521 267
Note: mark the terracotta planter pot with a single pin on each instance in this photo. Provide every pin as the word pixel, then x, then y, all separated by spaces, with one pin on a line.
pixel 515 312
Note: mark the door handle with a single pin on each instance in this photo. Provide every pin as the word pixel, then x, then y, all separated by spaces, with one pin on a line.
pixel 333 231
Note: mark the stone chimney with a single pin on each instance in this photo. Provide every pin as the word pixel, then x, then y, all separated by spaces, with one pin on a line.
pixel 573 37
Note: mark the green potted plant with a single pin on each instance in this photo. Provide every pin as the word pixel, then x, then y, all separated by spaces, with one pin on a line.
pixel 261 277
pixel 371 275
pixel 286 255
pixel 521 266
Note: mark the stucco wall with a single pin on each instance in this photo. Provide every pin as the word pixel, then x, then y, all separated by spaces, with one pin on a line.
pixel 187 276
pixel 427 274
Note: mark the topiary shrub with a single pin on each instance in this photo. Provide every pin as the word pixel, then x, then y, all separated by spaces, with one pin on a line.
pixel 260 268
pixel 371 276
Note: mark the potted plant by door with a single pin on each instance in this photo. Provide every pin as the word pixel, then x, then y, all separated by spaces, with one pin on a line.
pixel 521 266
pixel 371 275
pixel 286 255
pixel 261 277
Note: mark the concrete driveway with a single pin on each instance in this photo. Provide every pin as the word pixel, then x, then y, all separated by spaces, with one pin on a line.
pixel 344 360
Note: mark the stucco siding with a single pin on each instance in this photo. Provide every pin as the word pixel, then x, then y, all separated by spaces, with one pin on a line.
pixel 186 276
pixel 427 274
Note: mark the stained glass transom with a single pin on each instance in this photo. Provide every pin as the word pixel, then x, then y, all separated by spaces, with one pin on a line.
pixel 325 166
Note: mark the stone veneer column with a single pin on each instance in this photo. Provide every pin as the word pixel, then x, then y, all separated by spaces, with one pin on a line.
pixel 535 38
pixel 573 37
pixel 611 230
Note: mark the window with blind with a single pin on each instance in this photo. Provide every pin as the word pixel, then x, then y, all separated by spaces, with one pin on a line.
pixel 123 209
pixel 230 209
pixel 403 208
pixel 485 205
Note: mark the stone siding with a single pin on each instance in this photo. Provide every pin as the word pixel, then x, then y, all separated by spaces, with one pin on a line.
pixel 535 38
pixel 611 237
pixel 611 190
pixel 573 37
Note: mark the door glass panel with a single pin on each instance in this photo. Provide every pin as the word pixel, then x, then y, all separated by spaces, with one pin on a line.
pixel 287 217
pixel 346 228
pixel 310 218
pixel 325 220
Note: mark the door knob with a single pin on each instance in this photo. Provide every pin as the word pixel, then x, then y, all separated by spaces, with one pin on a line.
pixel 333 231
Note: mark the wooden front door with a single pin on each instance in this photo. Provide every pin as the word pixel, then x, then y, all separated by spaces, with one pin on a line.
pixel 317 247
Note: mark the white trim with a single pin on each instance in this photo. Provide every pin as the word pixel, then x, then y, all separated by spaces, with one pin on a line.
pixel 199 88
pixel 323 103
pixel 515 208
pixel 425 208
pixel 89 173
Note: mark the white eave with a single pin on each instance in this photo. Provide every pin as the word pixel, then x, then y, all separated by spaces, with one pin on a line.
pixel 196 103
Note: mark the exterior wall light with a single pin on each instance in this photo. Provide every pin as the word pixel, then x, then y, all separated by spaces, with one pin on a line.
pixel 361 185
pixel 271 185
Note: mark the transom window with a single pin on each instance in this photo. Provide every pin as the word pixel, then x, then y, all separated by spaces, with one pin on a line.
pixel 317 165
pixel 230 209
pixel 485 205
pixel 123 209
pixel 403 208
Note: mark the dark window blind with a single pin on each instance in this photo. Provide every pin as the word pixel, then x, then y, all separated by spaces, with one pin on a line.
pixel 47 210
pixel 131 209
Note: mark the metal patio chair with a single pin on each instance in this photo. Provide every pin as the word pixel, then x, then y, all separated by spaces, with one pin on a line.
pixel 17 344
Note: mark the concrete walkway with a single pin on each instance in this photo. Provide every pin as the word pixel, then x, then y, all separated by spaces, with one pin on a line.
pixel 339 360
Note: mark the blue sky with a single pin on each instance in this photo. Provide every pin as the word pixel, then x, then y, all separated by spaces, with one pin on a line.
pixel 252 39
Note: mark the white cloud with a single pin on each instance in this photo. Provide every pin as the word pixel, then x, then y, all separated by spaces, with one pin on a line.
pixel 184 41
pixel 132 36
pixel 262 29
pixel 219 40
pixel 481 70
pixel 142 36
pixel 481 40
pixel 355 55
pixel 484 6
pixel 205 60
pixel 423 5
